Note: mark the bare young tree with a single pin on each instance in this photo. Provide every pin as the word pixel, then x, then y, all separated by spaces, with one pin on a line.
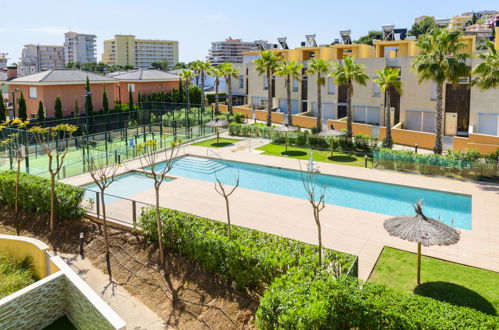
pixel 316 197
pixel 221 190
pixel 103 177
pixel 51 141
pixel 149 157
pixel 13 144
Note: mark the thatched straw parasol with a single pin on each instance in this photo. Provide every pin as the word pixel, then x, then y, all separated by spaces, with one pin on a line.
pixel 217 123
pixel 286 128
pixel 331 133
pixel 421 229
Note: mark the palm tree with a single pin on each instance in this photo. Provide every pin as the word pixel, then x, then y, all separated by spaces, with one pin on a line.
pixel 194 67
pixel 267 64
pixel 187 75
pixel 347 73
pixel 387 80
pixel 229 71
pixel 290 71
pixel 488 71
pixel 216 71
pixel 440 59
pixel 320 68
pixel 203 68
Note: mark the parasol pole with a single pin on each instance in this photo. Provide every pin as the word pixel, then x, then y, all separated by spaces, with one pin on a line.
pixel 419 263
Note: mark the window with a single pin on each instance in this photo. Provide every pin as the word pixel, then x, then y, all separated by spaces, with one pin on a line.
pixel 265 84
pixel 295 85
pixel 376 89
pixel 330 86
pixel 32 93
pixel 241 81
pixel 131 87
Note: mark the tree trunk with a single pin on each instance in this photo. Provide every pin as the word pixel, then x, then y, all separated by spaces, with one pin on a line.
pixel 319 234
pixel 229 101
pixel 202 91
pixel 269 98
pixel 106 239
pixel 228 217
pixel 217 82
pixel 187 96
pixel 438 120
pixel 159 226
pixel 319 101
pixel 288 92
pixel 349 109
pixel 52 201
pixel 388 138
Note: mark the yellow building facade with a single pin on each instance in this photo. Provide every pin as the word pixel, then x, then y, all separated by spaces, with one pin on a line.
pixel 128 50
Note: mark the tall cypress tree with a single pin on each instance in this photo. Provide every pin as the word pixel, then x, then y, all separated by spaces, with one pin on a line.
pixel 130 100
pixel 58 113
pixel 22 108
pixel 76 109
pixel 3 115
pixel 180 92
pixel 41 113
pixel 89 107
pixel 105 101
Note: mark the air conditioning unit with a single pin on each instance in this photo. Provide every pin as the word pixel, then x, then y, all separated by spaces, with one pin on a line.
pixel 464 80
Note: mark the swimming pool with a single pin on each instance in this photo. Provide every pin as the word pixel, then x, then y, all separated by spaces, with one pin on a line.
pixel 370 196
pixel 125 186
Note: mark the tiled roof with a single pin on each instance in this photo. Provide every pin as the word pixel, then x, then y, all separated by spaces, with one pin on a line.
pixel 145 75
pixel 63 75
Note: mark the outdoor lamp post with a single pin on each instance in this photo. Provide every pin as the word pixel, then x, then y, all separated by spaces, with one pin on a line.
pixel 14 102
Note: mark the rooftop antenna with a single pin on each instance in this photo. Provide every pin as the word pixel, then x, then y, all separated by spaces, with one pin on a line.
pixel 311 40
pixel 283 42
pixel 388 32
pixel 259 44
pixel 345 37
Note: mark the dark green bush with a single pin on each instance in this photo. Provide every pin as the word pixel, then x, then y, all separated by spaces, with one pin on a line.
pixel 250 259
pixel 211 98
pixel 34 194
pixel 301 299
pixel 239 118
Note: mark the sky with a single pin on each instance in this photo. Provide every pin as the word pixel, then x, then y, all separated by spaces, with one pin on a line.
pixel 195 24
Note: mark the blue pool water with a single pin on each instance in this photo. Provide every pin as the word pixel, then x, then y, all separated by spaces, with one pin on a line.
pixel 125 186
pixel 357 194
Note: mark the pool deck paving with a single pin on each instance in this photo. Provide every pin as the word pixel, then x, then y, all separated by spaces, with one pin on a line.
pixel 350 230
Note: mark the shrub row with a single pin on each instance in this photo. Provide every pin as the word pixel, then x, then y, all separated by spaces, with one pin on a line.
pixel 306 139
pixel 251 259
pixel 34 194
pixel 470 164
pixel 301 300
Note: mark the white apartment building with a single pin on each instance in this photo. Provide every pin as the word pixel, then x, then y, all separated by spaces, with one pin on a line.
pixel 231 50
pixel 36 58
pixel 79 48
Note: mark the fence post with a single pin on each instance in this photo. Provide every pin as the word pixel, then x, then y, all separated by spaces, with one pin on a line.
pixel 97 204
pixel 134 213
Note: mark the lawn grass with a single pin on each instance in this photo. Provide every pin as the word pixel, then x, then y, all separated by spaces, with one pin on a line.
pixel 343 158
pixel 212 143
pixel 442 280
pixel 14 274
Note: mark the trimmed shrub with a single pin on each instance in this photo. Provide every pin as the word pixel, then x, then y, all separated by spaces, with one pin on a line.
pixel 251 259
pixel 301 299
pixel 34 195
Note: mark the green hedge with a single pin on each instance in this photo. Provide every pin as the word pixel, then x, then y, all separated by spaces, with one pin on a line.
pixel 470 164
pixel 211 97
pixel 34 194
pixel 361 143
pixel 302 300
pixel 251 259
